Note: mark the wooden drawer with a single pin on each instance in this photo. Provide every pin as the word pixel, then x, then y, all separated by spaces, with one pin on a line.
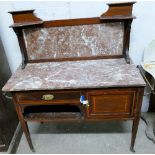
pixel 39 97
pixel 110 103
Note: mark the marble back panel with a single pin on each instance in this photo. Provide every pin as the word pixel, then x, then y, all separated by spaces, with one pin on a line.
pixel 74 41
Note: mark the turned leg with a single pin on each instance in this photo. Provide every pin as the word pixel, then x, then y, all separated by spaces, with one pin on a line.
pixel 134 133
pixel 24 125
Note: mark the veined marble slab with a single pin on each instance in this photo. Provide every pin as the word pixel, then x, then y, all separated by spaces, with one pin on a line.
pixel 75 74
pixel 74 41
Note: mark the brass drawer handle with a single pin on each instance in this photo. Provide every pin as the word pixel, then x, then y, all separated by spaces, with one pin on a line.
pixel 48 97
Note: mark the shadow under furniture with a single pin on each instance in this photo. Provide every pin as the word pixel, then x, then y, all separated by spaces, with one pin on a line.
pixel 76 69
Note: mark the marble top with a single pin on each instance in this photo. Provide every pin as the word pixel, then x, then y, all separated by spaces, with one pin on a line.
pixel 100 73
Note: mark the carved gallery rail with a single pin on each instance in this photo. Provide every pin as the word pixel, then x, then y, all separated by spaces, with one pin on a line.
pixel 76 69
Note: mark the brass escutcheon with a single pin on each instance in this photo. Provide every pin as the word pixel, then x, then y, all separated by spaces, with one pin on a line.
pixel 48 97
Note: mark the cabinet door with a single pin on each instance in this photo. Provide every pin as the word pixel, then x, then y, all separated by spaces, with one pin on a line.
pixel 111 103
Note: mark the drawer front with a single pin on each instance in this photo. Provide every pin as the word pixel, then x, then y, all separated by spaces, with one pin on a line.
pixel 48 97
pixel 110 103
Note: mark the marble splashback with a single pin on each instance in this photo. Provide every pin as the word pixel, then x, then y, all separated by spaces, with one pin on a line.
pixel 74 41
pixel 75 74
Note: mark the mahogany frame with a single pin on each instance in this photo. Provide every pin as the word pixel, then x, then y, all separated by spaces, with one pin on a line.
pixel 118 12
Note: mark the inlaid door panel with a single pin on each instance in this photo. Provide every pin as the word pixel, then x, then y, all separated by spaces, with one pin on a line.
pixel 110 102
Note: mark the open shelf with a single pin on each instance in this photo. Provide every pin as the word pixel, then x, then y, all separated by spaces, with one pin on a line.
pixel 27 24
pixel 117 18
pixel 51 112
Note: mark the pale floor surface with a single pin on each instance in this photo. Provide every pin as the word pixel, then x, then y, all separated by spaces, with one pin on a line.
pixel 96 137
